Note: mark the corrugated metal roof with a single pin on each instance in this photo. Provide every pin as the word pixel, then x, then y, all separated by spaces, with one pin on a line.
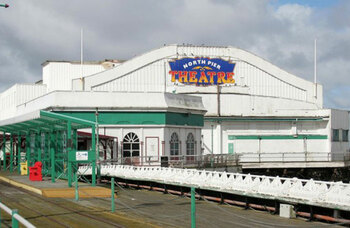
pixel 85 62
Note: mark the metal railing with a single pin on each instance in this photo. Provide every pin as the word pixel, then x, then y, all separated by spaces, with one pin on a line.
pixel 286 157
pixel 187 161
pixel 15 217
pixel 223 160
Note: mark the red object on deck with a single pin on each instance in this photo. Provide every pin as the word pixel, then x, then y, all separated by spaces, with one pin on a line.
pixel 35 172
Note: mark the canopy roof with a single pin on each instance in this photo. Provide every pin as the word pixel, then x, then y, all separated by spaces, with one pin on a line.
pixel 43 121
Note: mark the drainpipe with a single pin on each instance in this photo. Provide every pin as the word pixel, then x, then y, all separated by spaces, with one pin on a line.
pixel 212 146
pixel 165 76
pixel 218 99
pixel 97 148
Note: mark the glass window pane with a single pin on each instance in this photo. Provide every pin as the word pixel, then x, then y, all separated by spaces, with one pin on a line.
pixel 345 136
pixel 131 142
pixel 335 135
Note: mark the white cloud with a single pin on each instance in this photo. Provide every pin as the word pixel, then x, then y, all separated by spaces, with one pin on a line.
pixel 33 31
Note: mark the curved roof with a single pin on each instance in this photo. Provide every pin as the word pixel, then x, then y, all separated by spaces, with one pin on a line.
pixel 174 50
pixel 262 78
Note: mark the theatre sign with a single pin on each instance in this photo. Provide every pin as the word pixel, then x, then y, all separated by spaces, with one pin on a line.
pixel 202 71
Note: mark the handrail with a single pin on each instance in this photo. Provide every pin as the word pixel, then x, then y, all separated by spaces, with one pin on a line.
pixel 104 168
pixel 318 193
pixel 5 208
pixel 15 217
pixel 23 221
pixel 231 159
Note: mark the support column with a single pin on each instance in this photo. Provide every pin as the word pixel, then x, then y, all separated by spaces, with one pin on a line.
pixel 75 139
pixel 14 220
pixel 212 139
pixel 75 148
pixel 69 174
pixel 28 145
pixel 52 155
pixel 76 187
pixel 38 141
pixel 59 160
pixel 11 153
pixel 19 141
pixel 69 150
pixel 112 196
pixel 97 158
pixel 193 207
pixel 93 159
pixel 47 152
pixel 4 151
pixel 219 137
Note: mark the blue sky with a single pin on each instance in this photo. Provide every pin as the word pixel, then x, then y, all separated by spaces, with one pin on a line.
pixel 310 3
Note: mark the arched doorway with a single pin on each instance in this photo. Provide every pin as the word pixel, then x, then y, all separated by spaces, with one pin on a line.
pixel 174 146
pixel 190 148
pixel 131 148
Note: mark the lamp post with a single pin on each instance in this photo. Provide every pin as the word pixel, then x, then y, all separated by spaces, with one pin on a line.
pixel 4 5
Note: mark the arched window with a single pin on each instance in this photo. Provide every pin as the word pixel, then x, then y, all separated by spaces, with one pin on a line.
pixel 190 145
pixel 131 145
pixel 174 144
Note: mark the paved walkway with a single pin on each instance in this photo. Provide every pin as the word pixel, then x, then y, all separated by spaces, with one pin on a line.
pixel 136 208
pixel 57 189
pixel 46 183
pixel 174 211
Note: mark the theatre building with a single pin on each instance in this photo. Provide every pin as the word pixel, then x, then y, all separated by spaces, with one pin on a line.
pixel 193 100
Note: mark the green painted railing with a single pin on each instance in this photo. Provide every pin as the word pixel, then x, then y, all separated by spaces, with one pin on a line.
pixel 193 207
pixel 112 195
pixel 15 217
pixel 76 187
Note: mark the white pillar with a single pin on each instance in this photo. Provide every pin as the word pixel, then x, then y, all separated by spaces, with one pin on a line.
pixel 219 138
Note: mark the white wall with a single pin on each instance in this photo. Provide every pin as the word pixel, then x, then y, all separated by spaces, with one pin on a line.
pixel 59 75
pixel 16 95
pixel 155 141
pixel 260 86
pixel 275 147
pixel 339 121
pixel 182 134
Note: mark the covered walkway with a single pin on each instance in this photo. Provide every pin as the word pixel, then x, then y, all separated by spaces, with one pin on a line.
pixel 50 138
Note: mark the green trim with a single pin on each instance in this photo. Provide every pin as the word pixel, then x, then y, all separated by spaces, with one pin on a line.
pixel 184 119
pixel 275 137
pixel 216 119
pixel 140 118
pixel 230 148
pixel 67 118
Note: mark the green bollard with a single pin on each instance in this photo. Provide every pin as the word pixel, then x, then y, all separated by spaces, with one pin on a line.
pixel 112 197
pixel 14 221
pixel 193 207
pixel 76 188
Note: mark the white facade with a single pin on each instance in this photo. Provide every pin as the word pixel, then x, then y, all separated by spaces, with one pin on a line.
pixel 267 115
pixel 58 75
pixel 281 139
pixel 275 116
pixel 17 95
pixel 254 77
pixel 154 140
